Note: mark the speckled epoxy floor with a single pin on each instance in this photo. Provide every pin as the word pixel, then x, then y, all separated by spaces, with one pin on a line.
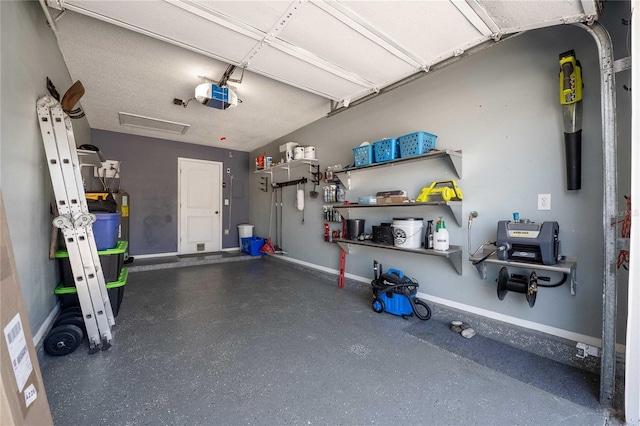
pixel 261 343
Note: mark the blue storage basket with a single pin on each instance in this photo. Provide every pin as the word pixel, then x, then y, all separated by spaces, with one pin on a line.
pixel 252 245
pixel 385 150
pixel 416 144
pixel 363 155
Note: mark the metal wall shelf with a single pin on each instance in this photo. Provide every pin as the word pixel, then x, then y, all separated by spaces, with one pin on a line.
pixel 454 254
pixel 288 167
pixel 90 158
pixel 454 157
pixel 565 266
pixel 454 206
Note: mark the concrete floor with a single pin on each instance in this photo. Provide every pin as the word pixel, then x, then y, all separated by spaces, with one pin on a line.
pixel 258 342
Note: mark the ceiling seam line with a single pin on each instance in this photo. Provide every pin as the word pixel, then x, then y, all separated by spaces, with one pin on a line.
pixel 196 9
pixel 269 38
pixel 440 65
pixel 152 34
pixel 484 16
pixel 348 18
pixel 471 16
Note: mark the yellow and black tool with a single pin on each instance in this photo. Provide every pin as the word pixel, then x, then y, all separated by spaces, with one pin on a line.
pixel 571 101
pixel 444 190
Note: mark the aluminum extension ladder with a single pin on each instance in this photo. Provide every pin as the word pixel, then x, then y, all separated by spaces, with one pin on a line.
pixel 75 222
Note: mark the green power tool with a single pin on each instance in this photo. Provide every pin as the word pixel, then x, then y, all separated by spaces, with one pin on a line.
pixel 571 101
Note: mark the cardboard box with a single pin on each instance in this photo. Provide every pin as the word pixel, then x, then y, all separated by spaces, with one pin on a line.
pixel 22 396
pixel 393 199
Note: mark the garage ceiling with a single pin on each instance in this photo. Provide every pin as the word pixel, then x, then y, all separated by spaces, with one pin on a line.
pixel 302 58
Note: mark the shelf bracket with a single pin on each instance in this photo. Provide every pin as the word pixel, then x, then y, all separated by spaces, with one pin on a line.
pixel 456 210
pixel 573 282
pixel 456 261
pixel 456 161
pixel 482 270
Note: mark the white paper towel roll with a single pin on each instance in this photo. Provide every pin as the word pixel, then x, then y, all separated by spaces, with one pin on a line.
pixel 300 200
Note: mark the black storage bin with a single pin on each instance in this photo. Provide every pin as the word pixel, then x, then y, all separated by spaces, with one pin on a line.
pixel 111 261
pixel 69 295
pixel 382 235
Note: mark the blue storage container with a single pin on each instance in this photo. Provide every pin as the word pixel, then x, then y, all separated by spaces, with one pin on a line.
pixel 252 245
pixel 363 155
pixel 416 144
pixel 105 230
pixel 386 149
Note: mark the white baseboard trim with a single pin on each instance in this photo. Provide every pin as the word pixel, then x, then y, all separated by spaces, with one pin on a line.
pixel 554 331
pixel 322 268
pixel 37 338
pixel 152 255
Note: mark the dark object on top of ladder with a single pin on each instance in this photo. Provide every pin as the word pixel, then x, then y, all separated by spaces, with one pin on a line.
pixel 395 293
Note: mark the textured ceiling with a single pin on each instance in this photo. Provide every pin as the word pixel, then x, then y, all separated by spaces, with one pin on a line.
pixel 301 57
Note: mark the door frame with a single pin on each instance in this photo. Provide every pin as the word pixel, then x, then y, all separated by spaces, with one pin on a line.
pixel 181 161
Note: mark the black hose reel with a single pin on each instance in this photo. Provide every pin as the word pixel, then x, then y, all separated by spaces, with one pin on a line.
pixel 519 284
pixel 523 284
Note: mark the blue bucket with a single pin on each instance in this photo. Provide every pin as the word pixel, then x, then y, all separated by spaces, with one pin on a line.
pixel 105 230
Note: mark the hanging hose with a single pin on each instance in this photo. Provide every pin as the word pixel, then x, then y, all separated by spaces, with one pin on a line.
pixel 558 284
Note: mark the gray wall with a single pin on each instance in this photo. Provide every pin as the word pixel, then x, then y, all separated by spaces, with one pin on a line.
pixel 501 108
pixel 149 169
pixel 29 54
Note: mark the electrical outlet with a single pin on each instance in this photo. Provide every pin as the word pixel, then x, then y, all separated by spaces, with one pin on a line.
pixel 109 169
pixel 544 201
pixel 226 201
pixel 228 169
pixel 226 232
pixel 585 350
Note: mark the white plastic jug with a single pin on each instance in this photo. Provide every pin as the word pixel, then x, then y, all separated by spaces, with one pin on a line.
pixel 441 237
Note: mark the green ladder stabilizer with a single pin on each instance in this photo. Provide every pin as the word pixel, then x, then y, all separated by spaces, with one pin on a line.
pixel 75 222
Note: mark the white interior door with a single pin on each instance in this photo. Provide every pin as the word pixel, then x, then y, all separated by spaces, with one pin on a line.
pixel 200 206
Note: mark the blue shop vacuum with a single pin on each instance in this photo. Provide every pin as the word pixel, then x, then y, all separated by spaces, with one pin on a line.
pixel 395 293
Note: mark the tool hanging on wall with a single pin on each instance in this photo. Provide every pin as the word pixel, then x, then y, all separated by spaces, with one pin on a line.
pixel 279 206
pixel 264 183
pixel 523 284
pixel 571 101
